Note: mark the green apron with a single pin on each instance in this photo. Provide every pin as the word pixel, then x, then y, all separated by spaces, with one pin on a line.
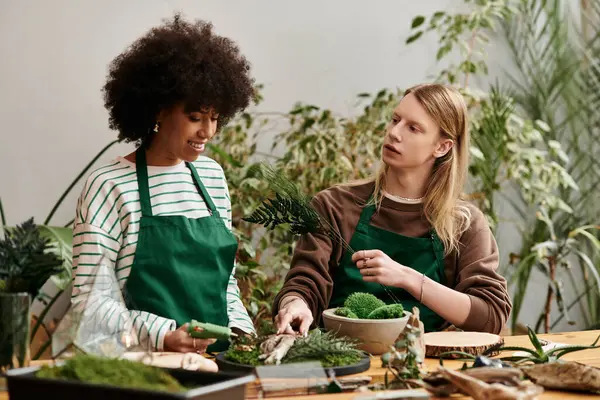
pixel 182 266
pixel 423 254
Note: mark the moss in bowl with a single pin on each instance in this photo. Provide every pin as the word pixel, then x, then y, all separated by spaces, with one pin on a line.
pixel 369 320
pixel 361 305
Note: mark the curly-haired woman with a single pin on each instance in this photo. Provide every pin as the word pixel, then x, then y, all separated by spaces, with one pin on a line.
pixel 160 217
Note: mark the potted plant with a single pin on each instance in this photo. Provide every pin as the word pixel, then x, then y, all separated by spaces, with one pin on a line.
pixel 27 260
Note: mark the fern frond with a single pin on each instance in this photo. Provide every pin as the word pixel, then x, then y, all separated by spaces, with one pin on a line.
pixel 300 217
pixel 290 205
pixel 279 183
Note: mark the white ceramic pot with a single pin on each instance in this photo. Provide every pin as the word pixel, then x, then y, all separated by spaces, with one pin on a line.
pixel 375 335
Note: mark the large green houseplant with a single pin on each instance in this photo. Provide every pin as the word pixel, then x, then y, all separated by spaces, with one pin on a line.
pixel 59 239
pixel 551 182
pixel 27 261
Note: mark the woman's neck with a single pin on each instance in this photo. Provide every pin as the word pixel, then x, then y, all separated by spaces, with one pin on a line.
pixel 407 184
pixel 157 158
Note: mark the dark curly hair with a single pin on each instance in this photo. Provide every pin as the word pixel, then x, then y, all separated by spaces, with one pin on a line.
pixel 177 62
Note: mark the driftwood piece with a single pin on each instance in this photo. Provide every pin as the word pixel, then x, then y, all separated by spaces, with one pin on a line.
pixel 480 390
pixel 436 383
pixel 415 327
pixel 276 347
pixel 571 376
pixel 474 343
pixel 189 361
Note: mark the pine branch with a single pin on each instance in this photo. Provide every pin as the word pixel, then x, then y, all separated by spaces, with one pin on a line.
pixel 320 343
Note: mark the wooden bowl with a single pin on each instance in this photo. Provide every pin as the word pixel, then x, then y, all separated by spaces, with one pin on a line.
pixel 375 336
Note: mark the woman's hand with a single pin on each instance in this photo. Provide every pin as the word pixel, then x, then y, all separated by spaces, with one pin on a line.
pixel 180 341
pixel 293 310
pixel 376 266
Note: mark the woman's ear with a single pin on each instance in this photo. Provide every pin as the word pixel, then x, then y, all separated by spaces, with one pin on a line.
pixel 443 148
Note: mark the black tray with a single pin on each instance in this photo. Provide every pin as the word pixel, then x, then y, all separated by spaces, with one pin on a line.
pixel 23 385
pixel 361 366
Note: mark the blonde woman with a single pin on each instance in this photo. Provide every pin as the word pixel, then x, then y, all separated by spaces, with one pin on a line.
pixel 415 240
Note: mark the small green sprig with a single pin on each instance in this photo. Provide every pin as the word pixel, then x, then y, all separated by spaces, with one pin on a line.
pixel 403 361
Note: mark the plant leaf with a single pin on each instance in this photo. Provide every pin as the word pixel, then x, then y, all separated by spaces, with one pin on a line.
pixel 417 21
pixel 535 341
pixel 414 37
pixel 516 348
pixel 62 240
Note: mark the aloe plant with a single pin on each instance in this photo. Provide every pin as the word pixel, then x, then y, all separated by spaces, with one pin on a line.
pixel 541 356
pixel 537 355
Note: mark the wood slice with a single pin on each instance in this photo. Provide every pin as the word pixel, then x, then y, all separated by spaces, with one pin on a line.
pixel 473 343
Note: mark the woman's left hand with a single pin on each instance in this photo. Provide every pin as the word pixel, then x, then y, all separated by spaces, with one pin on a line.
pixel 376 266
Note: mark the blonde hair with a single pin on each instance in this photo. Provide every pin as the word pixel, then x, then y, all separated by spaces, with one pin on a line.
pixel 444 208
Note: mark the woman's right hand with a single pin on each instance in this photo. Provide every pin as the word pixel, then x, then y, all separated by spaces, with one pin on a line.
pixel 293 311
pixel 180 341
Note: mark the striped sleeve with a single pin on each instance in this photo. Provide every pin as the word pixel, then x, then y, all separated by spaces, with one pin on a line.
pixel 236 311
pixel 97 294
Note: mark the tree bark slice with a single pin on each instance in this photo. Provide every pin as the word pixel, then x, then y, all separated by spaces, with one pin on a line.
pixel 571 376
pixel 473 343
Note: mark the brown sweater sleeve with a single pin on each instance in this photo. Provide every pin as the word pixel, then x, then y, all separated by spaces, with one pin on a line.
pixel 475 275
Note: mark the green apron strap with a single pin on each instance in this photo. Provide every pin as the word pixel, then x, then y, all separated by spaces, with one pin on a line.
pixel 202 190
pixel 142 180
pixel 438 248
pixel 366 215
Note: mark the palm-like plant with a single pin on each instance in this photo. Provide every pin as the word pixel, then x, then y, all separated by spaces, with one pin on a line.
pixel 519 162
pixel 26 260
pixel 558 80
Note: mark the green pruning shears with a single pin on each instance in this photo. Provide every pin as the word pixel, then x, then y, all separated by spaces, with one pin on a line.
pixel 206 330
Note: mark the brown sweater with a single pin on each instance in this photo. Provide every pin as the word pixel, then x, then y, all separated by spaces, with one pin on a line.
pixel 472 272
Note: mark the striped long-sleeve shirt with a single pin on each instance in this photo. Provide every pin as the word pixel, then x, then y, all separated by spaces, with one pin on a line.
pixel 106 232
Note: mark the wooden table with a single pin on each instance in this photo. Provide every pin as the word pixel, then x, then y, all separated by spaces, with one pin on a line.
pixel 589 357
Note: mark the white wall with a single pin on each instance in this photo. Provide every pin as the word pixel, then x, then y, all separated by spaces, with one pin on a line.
pixel 54 55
